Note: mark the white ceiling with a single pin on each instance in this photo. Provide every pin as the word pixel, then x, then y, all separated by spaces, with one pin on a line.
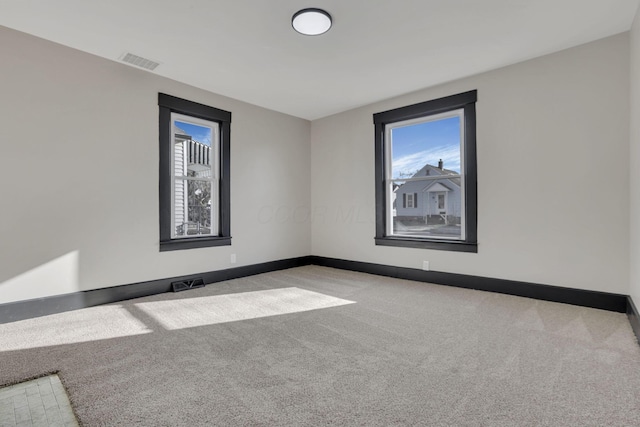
pixel 246 49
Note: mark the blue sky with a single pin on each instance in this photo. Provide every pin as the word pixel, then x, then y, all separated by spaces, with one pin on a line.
pixel 416 145
pixel 199 133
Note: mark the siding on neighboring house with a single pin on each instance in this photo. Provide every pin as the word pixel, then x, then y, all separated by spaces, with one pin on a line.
pixel 180 168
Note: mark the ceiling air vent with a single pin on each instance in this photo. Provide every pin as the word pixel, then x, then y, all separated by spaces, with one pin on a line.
pixel 139 61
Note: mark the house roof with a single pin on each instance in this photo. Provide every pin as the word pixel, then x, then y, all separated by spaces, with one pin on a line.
pixel 431 168
pixel 435 171
pixel 182 132
pixel 437 186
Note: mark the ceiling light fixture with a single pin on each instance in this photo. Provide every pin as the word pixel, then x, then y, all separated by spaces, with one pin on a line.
pixel 311 21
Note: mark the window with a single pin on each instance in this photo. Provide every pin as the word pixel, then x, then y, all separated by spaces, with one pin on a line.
pixel 194 175
pixel 409 200
pixel 426 174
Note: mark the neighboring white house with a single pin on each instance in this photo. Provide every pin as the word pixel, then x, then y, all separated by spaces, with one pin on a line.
pixel 191 158
pixel 436 201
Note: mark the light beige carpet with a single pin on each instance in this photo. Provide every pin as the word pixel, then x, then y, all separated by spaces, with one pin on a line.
pixel 318 346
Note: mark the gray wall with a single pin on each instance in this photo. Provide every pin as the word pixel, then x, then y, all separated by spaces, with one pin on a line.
pixel 553 174
pixel 635 161
pixel 79 136
pixel 79 173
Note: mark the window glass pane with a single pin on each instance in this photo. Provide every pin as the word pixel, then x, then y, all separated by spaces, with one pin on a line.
pixel 429 203
pixel 193 213
pixel 417 145
pixel 427 208
pixel 193 155
pixel 194 208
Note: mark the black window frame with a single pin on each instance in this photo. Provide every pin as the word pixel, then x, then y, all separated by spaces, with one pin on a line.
pixel 170 104
pixel 467 102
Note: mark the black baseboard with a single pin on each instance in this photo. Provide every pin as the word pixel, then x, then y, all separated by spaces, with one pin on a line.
pixel 593 299
pixel 634 318
pixel 22 310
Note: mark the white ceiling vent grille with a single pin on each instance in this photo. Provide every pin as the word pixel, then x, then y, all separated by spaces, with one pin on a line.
pixel 139 61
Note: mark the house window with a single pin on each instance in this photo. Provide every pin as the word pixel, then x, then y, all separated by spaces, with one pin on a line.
pixel 426 174
pixel 409 201
pixel 194 175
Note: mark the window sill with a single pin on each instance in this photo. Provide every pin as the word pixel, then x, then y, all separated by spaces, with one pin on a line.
pixel 194 242
pixel 427 244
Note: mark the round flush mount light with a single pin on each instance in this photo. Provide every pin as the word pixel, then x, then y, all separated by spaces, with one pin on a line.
pixel 311 22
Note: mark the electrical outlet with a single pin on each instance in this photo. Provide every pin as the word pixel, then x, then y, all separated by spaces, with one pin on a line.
pixel 425 265
pixel 233 258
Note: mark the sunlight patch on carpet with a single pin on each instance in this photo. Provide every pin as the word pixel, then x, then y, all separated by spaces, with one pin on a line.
pixel 192 312
pixel 89 324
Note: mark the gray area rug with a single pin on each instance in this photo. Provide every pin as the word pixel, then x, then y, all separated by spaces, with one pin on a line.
pixel 318 346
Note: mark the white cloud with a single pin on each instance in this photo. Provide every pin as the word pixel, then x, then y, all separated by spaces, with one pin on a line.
pixel 408 165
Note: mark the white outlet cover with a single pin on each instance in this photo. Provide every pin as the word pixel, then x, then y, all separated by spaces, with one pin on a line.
pixel 425 265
